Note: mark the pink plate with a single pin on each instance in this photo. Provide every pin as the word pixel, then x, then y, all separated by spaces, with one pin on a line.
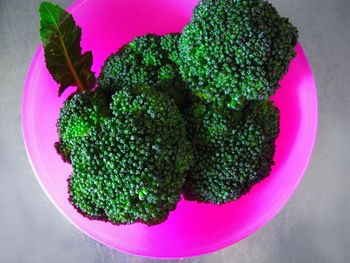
pixel 192 229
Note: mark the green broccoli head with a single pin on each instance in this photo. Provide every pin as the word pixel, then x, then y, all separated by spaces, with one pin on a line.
pixel 234 51
pixel 147 60
pixel 132 167
pixel 80 113
pixel 233 150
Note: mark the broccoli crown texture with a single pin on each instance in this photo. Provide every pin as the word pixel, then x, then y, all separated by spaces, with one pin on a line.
pixel 132 167
pixel 233 150
pixel 79 114
pixel 235 50
pixel 147 60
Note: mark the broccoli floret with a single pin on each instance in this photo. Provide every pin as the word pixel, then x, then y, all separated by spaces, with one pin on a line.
pixel 147 60
pixel 132 167
pixel 80 113
pixel 234 51
pixel 233 150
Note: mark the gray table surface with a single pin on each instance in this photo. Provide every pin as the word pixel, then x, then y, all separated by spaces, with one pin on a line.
pixel 313 227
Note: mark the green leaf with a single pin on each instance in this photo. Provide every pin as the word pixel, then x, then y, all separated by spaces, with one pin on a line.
pixel 61 41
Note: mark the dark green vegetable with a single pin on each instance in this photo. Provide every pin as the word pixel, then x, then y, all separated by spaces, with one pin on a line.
pixel 79 114
pixel 61 41
pixel 171 114
pixel 233 150
pixel 234 51
pixel 147 60
pixel 131 168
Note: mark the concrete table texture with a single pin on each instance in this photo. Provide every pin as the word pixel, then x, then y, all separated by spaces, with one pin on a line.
pixel 313 227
